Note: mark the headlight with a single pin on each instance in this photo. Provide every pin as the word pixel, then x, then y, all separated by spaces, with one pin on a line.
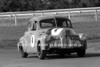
pixel 82 36
pixel 43 36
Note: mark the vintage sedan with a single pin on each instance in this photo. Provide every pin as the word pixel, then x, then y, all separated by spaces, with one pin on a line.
pixel 51 35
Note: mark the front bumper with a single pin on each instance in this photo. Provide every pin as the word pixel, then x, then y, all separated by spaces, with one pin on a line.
pixel 67 43
pixel 67 50
pixel 68 47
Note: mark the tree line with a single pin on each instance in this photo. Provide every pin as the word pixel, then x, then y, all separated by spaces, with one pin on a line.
pixel 32 5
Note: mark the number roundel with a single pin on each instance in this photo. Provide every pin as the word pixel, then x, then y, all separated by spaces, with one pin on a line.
pixel 32 40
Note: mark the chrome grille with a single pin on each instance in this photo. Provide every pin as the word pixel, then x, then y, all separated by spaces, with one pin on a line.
pixel 65 42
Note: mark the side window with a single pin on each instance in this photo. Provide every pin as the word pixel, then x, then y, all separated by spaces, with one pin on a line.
pixel 64 23
pixel 47 23
pixel 34 25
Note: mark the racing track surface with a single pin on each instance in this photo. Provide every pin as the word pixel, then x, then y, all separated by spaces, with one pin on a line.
pixel 12 58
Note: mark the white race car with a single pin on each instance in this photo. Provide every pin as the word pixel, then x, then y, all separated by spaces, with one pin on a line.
pixel 51 35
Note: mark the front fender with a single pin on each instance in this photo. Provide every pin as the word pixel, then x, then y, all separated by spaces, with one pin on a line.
pixel 43 44
pixel 82 36
pixel 83 40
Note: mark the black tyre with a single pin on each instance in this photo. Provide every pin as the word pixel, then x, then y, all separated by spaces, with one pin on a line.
pixel 41 53
pixel 81 52
pixel 62 55
pixel 24 54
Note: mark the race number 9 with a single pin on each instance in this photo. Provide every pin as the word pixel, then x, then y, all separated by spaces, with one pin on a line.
pixel 32 41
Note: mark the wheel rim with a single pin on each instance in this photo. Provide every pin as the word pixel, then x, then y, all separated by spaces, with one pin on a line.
pixel 39 50
pixel 21 50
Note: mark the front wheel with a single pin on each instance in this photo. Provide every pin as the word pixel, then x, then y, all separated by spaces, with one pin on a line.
pixel 62 54
pixel 24 54
pixel 81 52
pixel 41 53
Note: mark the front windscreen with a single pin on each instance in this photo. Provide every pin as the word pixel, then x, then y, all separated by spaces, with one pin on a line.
pixel 47 23
pixel 63 22
pixel 57 22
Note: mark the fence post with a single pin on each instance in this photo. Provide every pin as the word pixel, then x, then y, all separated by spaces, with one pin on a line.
pixel 69 15
pixel 96 16
pixel 15 20
pixel 42 13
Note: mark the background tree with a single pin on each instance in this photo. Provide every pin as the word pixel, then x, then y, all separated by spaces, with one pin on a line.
pixel 31 5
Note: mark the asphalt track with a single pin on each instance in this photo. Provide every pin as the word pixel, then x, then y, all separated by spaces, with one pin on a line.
pixel 12 58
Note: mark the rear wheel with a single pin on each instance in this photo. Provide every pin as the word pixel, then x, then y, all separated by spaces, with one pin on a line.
pixel 62 54
pixel 41 53
pixel 81 52
pixel 23 54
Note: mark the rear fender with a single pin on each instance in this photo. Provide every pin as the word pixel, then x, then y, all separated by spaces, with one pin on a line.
pixel 21 44
pixel 18 46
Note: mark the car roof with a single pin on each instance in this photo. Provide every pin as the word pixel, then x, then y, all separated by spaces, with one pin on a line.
pixel 37 18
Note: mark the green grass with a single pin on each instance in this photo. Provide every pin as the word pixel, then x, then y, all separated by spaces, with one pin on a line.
pixel 10 21
pixel 10 34
pixel 91 29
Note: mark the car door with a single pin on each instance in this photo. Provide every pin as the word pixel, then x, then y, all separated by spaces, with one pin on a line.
pixel 31 37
